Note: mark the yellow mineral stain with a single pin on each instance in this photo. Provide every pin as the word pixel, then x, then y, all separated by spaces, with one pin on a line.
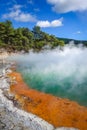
pixel 55 110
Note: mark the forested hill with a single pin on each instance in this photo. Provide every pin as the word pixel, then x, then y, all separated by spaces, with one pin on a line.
pixel 25 39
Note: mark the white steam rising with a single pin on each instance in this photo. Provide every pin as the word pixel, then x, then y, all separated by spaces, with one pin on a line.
pixel 61 72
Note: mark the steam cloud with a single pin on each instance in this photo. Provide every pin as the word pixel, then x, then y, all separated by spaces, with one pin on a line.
pixel 60 72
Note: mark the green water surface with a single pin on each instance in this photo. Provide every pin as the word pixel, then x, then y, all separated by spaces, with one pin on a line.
pixel 66 87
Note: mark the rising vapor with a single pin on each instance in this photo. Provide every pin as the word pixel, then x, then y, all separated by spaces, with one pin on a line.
pixel 59 72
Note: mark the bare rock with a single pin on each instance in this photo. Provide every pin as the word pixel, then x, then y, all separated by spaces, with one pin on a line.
pixel 9 95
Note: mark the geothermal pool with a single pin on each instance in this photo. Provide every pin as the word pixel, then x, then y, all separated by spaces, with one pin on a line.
pixel 61 73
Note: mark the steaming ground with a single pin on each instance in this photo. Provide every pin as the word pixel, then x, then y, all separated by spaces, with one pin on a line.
pixel 59 72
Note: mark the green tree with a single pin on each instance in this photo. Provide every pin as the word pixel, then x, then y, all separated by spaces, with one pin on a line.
pixel 37 32
pixel 9 32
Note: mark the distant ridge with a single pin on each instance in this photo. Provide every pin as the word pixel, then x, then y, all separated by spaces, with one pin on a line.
pixel 67 40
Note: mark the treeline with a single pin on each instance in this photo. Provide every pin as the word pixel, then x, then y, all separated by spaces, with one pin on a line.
pixel 25 39
pixel 76 42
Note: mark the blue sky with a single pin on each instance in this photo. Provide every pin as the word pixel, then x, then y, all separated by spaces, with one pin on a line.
pixel 62 18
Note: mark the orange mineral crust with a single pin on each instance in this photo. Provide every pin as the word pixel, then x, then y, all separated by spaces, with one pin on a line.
pixel 55 110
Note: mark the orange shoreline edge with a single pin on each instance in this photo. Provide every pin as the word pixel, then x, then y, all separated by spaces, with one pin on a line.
pixel 57 111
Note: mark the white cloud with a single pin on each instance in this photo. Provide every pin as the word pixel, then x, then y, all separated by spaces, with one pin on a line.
pixel 43 23
pixel 54 23
pixel 15 7
pixel 18 15
pixel 64 6
pixel 78 32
